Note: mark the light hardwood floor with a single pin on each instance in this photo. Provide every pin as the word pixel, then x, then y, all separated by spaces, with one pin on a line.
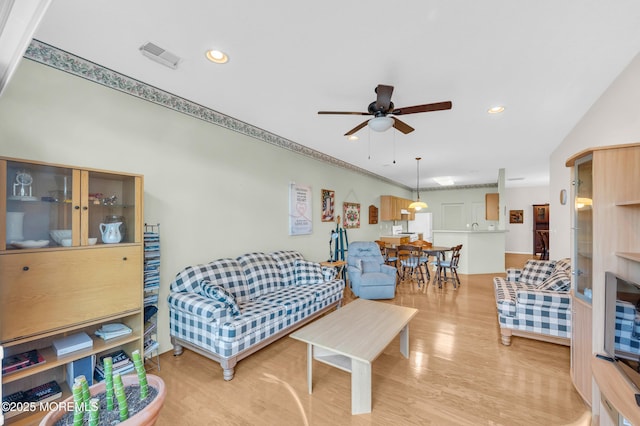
pixel 458 374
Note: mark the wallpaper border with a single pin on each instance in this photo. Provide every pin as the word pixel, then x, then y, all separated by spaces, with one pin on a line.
pixel 51 56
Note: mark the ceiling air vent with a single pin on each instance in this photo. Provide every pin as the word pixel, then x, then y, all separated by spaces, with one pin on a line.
pixel 160 55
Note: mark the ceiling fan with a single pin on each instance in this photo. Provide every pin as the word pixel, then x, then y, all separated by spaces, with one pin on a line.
pixel 382 107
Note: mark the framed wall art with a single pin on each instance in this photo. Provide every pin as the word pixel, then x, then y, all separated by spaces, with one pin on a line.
pixel 351 215
pixel 300 213
pixel 516 216
pixel 328 203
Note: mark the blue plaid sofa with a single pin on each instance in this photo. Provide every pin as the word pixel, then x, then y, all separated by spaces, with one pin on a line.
pixel 627 336
pixel 230 308
pixel 535 302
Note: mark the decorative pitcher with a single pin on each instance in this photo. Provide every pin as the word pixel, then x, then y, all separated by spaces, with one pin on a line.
pixel 110 232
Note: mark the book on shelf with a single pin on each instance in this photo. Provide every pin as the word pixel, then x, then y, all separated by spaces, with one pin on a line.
pixel 118 358
pixel 150 298
pixel 22 360
pixel 42 393
pixel 149 327
pixel 111 331
pixel 150 346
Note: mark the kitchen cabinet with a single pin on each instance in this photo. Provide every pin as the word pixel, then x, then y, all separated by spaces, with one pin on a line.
pixel 492 205
pixel 57 277
pixel 391 208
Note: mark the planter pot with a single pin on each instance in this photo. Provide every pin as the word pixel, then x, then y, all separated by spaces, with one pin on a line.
pixel 147 416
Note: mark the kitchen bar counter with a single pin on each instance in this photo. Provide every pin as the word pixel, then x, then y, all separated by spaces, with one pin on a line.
pixel 482 250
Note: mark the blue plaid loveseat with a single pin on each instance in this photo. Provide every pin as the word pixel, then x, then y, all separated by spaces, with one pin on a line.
pixel 535 302
pixel 230 308
pixel 627 336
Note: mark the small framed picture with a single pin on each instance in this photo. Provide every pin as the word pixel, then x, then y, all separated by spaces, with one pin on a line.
pixel 328 205
pixel 516 216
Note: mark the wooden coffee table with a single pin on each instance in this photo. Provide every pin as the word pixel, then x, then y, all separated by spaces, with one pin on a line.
pixel 351 338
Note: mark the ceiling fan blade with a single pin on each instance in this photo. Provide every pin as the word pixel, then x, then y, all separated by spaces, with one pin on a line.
pixel 384 97
pixel 438 106
pixel 358 127
pixel 402 126
pixel 343 113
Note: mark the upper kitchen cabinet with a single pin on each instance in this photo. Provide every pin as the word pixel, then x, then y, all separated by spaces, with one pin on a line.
pixel 395 208
pixel 46 205
pixel 492 206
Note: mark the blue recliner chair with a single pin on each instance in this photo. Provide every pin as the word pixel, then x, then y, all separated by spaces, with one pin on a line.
pixel 369 277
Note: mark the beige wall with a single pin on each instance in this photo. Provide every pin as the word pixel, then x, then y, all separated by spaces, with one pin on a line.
pixel 215 192
pixel 613 119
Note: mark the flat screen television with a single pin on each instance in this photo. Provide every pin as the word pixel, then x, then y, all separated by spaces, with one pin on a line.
pixel 621 330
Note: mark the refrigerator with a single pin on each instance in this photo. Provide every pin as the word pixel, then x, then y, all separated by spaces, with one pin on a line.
pixel 422 224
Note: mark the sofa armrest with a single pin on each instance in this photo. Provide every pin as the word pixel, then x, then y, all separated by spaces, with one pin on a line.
pixel 194 304
pixel 354 273
pixel 513 274
pixel 544 299
pixel 388 269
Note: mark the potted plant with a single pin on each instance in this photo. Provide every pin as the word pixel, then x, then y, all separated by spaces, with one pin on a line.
pixel 130 399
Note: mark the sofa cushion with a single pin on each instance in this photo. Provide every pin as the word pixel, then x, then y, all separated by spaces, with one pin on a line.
pixel 294 299
pixel 370 266
pixel 258 317
pixel 220 294
pixel 261 272
pixel 329 273
pixel 558 281
pixel 308 272
pixel 327 290
pixel 287 263
pixel 506 295
pixel 226 273
pixel 563 265
pixel 536 271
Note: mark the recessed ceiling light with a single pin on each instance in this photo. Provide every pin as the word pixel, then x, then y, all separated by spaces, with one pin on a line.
pixel 352 138
pixel 444 180
pixel 496 109
pixel 217 56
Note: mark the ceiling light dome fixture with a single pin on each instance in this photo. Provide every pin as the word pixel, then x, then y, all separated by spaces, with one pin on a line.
pixel 217 56
pixel 380 124
pixel 496 109
pixel 418 205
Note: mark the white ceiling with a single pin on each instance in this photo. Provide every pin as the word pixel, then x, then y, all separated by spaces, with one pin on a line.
pixel 546 61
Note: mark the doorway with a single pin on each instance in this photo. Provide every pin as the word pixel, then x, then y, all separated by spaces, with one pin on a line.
pixel 541 230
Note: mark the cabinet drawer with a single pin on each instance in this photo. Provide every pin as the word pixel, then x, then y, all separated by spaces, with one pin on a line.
pixel 51 290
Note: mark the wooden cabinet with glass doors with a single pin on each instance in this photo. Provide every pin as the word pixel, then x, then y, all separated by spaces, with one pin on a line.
pixel 58 276
pixel 605 239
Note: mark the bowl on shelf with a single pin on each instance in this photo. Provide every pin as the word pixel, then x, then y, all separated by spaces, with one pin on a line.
pixel 92 241
pixel 65 242
pixel 60 234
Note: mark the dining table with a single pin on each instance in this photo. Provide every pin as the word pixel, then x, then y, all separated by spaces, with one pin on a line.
pixel 439 252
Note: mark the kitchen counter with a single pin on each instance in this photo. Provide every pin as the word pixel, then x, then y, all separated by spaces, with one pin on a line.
pixel 482 250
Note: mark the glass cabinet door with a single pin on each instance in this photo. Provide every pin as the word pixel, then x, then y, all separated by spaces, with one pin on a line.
pixel 39 200
pixel 583 233
pixel 111 206
pixel 45 206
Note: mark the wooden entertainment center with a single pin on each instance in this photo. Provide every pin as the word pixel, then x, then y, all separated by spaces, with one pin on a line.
pixel 606 237
pixel 57 277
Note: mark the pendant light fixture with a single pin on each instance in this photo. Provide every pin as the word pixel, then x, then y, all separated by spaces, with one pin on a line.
pixel 418 205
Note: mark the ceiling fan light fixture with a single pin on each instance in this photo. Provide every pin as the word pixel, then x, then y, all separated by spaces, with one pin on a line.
pixel 217 56
pixel 380 124
pixel 418 205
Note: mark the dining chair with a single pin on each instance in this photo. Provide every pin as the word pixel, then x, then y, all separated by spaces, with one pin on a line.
pixel 382 246
pixel 451 265
pixel 412 259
